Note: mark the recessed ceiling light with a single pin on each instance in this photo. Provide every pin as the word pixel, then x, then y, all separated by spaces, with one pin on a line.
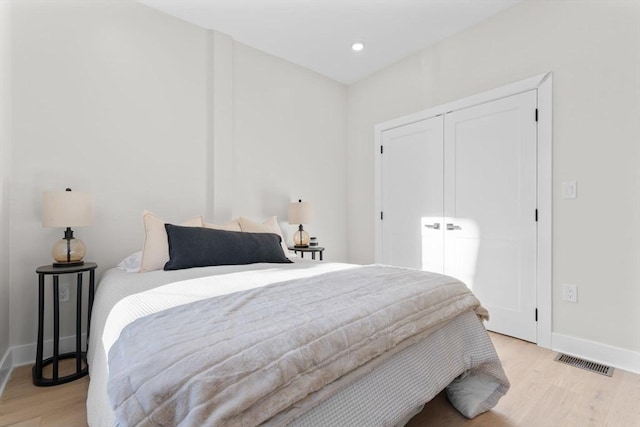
pixel 357 46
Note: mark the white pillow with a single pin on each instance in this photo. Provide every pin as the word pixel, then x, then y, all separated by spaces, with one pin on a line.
pixel 132 263
pixel 228 226
pixel 269 225
pixel 155 252
pixel 473 393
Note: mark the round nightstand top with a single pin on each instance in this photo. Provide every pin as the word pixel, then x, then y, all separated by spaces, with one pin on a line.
pixel 50 269
pixel 307 249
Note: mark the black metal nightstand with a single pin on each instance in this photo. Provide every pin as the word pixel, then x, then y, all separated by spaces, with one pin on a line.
pixel 312 249
pixel 79 355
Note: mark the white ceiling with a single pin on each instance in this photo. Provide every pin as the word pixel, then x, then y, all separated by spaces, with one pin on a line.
pixel 317 34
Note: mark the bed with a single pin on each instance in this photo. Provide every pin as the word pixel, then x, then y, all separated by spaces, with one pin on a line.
pixel 266 344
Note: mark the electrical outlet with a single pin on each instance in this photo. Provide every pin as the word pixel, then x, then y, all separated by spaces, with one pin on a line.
pixel 570 293
pixel 63 292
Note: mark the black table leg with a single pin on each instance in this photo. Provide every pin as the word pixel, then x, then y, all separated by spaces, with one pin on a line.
pixel 40 343
pixel 56 326
pixel 79 324
pixel 92 279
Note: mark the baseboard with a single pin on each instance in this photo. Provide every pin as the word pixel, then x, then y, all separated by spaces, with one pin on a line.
pixel 617 357
pixel 26 355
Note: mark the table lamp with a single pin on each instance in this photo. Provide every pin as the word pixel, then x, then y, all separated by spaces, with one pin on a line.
pixel 67 209
pixel 300 213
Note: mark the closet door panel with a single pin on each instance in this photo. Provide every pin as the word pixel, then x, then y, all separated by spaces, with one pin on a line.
pixel 490 202
pixel 412 195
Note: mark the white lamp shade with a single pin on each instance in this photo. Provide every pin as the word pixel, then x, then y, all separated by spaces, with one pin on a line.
pixel 299 213
pixel 67 209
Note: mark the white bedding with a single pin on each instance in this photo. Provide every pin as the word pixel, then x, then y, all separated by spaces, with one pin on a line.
pixel 123 297
pixel 174 294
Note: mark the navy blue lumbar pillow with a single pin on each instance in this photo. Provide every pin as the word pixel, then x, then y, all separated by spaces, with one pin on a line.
pixel 202 247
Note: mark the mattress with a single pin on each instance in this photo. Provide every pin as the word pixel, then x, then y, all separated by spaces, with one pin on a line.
pixel 385 391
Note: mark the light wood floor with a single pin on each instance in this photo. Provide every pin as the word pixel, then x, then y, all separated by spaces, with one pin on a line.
pixel 543 393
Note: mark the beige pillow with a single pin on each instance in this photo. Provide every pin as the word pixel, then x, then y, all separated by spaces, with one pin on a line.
pixel 155 252
pixel 228 226
pixel 269 225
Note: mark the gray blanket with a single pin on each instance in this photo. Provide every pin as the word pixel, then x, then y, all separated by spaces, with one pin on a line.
pixel 243 358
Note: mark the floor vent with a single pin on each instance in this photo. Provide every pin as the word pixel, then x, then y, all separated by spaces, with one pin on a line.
pixel 585 364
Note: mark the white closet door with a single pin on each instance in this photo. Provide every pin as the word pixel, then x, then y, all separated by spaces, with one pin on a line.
pixel 412 198
pixel 490 202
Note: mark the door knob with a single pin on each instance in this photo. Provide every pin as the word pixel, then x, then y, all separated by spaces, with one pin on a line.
pixel 453 227
pixel 435 225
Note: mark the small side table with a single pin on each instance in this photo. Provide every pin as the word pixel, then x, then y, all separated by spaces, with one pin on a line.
pixel 312 249
pixel 79 355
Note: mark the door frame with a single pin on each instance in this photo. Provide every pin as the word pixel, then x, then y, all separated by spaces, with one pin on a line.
pixel 543 84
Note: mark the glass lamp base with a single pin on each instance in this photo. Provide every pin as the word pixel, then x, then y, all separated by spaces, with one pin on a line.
pixel 68 252
pixel 301 238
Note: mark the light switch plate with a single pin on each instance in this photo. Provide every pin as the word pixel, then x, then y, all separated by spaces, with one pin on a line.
pixel 569 190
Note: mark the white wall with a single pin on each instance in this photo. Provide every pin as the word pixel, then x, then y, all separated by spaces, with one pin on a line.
pixel 593 50
pixel 141 109
pixel 278 134
pixel 5 168
pixel 109 97
pixel 289 144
